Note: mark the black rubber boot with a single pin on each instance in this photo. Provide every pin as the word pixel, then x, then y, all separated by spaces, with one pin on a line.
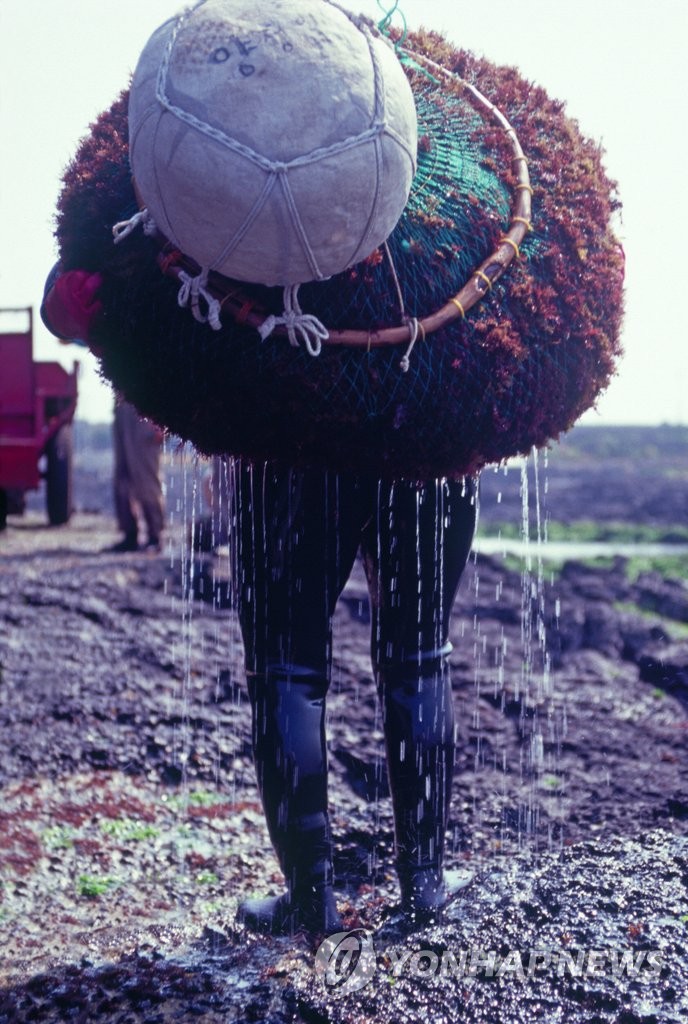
pixel 314 912
pixel 419 736
pixel 291 764
pixel 128 543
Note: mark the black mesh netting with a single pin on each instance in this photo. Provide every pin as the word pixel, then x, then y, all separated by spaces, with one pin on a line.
pixel 527 361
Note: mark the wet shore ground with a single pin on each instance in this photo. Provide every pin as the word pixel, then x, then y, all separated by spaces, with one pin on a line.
pixel 130 827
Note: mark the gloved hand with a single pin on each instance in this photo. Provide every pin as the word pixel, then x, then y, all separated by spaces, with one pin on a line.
pixel 70 305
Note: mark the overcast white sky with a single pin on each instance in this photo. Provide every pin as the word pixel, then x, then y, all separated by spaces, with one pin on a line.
pixel 621 67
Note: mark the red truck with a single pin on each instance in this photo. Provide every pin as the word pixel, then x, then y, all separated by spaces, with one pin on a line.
pixel 37 405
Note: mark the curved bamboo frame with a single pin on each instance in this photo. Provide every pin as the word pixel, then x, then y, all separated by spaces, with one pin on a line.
pixel 245 310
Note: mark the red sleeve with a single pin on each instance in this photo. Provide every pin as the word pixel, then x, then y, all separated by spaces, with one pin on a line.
pixel 71 306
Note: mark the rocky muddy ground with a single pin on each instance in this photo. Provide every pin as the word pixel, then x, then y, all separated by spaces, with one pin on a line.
pixel 129 825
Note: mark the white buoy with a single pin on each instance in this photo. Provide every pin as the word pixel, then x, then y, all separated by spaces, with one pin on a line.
pixel 273 141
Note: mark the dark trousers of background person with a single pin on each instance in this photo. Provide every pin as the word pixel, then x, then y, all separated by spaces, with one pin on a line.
pixel 137 484
pixel 298 534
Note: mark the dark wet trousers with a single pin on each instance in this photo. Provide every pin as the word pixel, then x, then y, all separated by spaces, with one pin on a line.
pixel 297 537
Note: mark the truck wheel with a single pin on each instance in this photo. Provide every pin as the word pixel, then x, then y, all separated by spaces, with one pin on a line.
pixel 58 476
pixel 3 509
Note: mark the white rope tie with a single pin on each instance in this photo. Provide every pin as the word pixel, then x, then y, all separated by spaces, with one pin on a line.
pixel 301 327
pixel 411 322
pixel 191 291
pixel 125 227
pixel 414 328
pixel 395 278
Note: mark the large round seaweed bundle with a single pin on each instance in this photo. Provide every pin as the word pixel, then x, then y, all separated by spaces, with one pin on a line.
pixel 518 370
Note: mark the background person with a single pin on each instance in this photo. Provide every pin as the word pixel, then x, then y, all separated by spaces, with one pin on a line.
pixel 137 485
pixel 69 307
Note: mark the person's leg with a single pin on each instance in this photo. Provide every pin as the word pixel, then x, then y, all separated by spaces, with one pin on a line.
pixel 293 555
pixel 124 508
pixel 149 492
pixel 143 443
pixel 415 554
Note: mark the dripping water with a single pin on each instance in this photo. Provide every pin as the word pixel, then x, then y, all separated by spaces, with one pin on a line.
pixel 513 675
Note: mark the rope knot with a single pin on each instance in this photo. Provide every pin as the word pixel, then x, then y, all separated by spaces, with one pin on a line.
pixel 192 290
pixel 414 328
pixel 125 227
pixel 301 327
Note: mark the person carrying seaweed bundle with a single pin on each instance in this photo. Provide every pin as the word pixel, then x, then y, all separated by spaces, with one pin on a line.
pixel 298 534
pixel 442 289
